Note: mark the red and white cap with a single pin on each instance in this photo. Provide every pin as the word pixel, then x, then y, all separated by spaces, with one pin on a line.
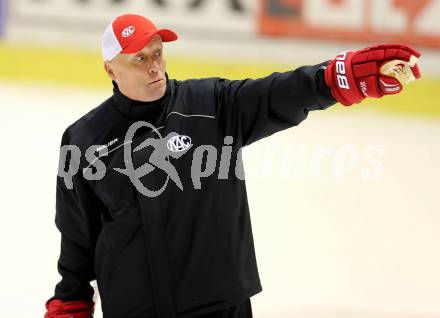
pixel 130 33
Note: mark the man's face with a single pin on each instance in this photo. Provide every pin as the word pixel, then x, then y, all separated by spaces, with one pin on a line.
pixel 140 76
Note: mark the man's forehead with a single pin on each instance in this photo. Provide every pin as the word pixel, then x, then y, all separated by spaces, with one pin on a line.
pixel 156 40
pixel 155 43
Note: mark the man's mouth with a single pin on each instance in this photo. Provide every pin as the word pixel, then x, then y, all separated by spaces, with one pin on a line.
pixel 156 81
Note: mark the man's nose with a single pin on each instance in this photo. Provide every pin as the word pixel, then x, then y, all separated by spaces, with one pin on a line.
pixel 153 68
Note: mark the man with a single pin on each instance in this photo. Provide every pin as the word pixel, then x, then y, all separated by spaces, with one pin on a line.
pixel 155 206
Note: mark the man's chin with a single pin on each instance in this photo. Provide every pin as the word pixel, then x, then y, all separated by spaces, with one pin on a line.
pixel 158 92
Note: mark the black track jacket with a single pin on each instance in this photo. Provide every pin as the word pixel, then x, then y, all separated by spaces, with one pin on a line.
pixel 190 250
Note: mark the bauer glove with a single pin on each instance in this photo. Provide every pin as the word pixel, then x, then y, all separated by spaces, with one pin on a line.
pixel 372 72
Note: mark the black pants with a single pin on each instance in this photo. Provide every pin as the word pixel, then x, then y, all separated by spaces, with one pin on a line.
pixel 242 310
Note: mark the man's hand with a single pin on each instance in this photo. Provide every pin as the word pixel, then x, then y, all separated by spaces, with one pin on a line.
pixel 372 72
pixel 57 308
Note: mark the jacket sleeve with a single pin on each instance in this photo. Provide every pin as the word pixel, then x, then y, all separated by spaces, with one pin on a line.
pixel 78 218
pixel 252 109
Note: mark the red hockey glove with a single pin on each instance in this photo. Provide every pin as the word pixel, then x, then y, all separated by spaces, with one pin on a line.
pixel 57 308
pixel 372 72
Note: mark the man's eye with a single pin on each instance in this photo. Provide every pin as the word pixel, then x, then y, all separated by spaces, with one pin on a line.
pixel 140 58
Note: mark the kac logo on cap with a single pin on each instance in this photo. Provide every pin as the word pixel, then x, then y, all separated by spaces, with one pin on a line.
pixel 128 31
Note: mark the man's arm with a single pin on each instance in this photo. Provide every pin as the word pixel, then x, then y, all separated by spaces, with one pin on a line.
pixel 78 218
pixel 252 109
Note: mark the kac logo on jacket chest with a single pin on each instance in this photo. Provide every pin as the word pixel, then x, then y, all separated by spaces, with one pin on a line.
pixel 173 145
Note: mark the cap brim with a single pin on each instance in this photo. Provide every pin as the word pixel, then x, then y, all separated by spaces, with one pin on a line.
pixel 138 44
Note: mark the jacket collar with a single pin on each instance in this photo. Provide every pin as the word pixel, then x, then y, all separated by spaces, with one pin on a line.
pixel 140 110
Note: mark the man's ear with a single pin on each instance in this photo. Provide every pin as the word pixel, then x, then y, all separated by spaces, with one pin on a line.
pixel 109 70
